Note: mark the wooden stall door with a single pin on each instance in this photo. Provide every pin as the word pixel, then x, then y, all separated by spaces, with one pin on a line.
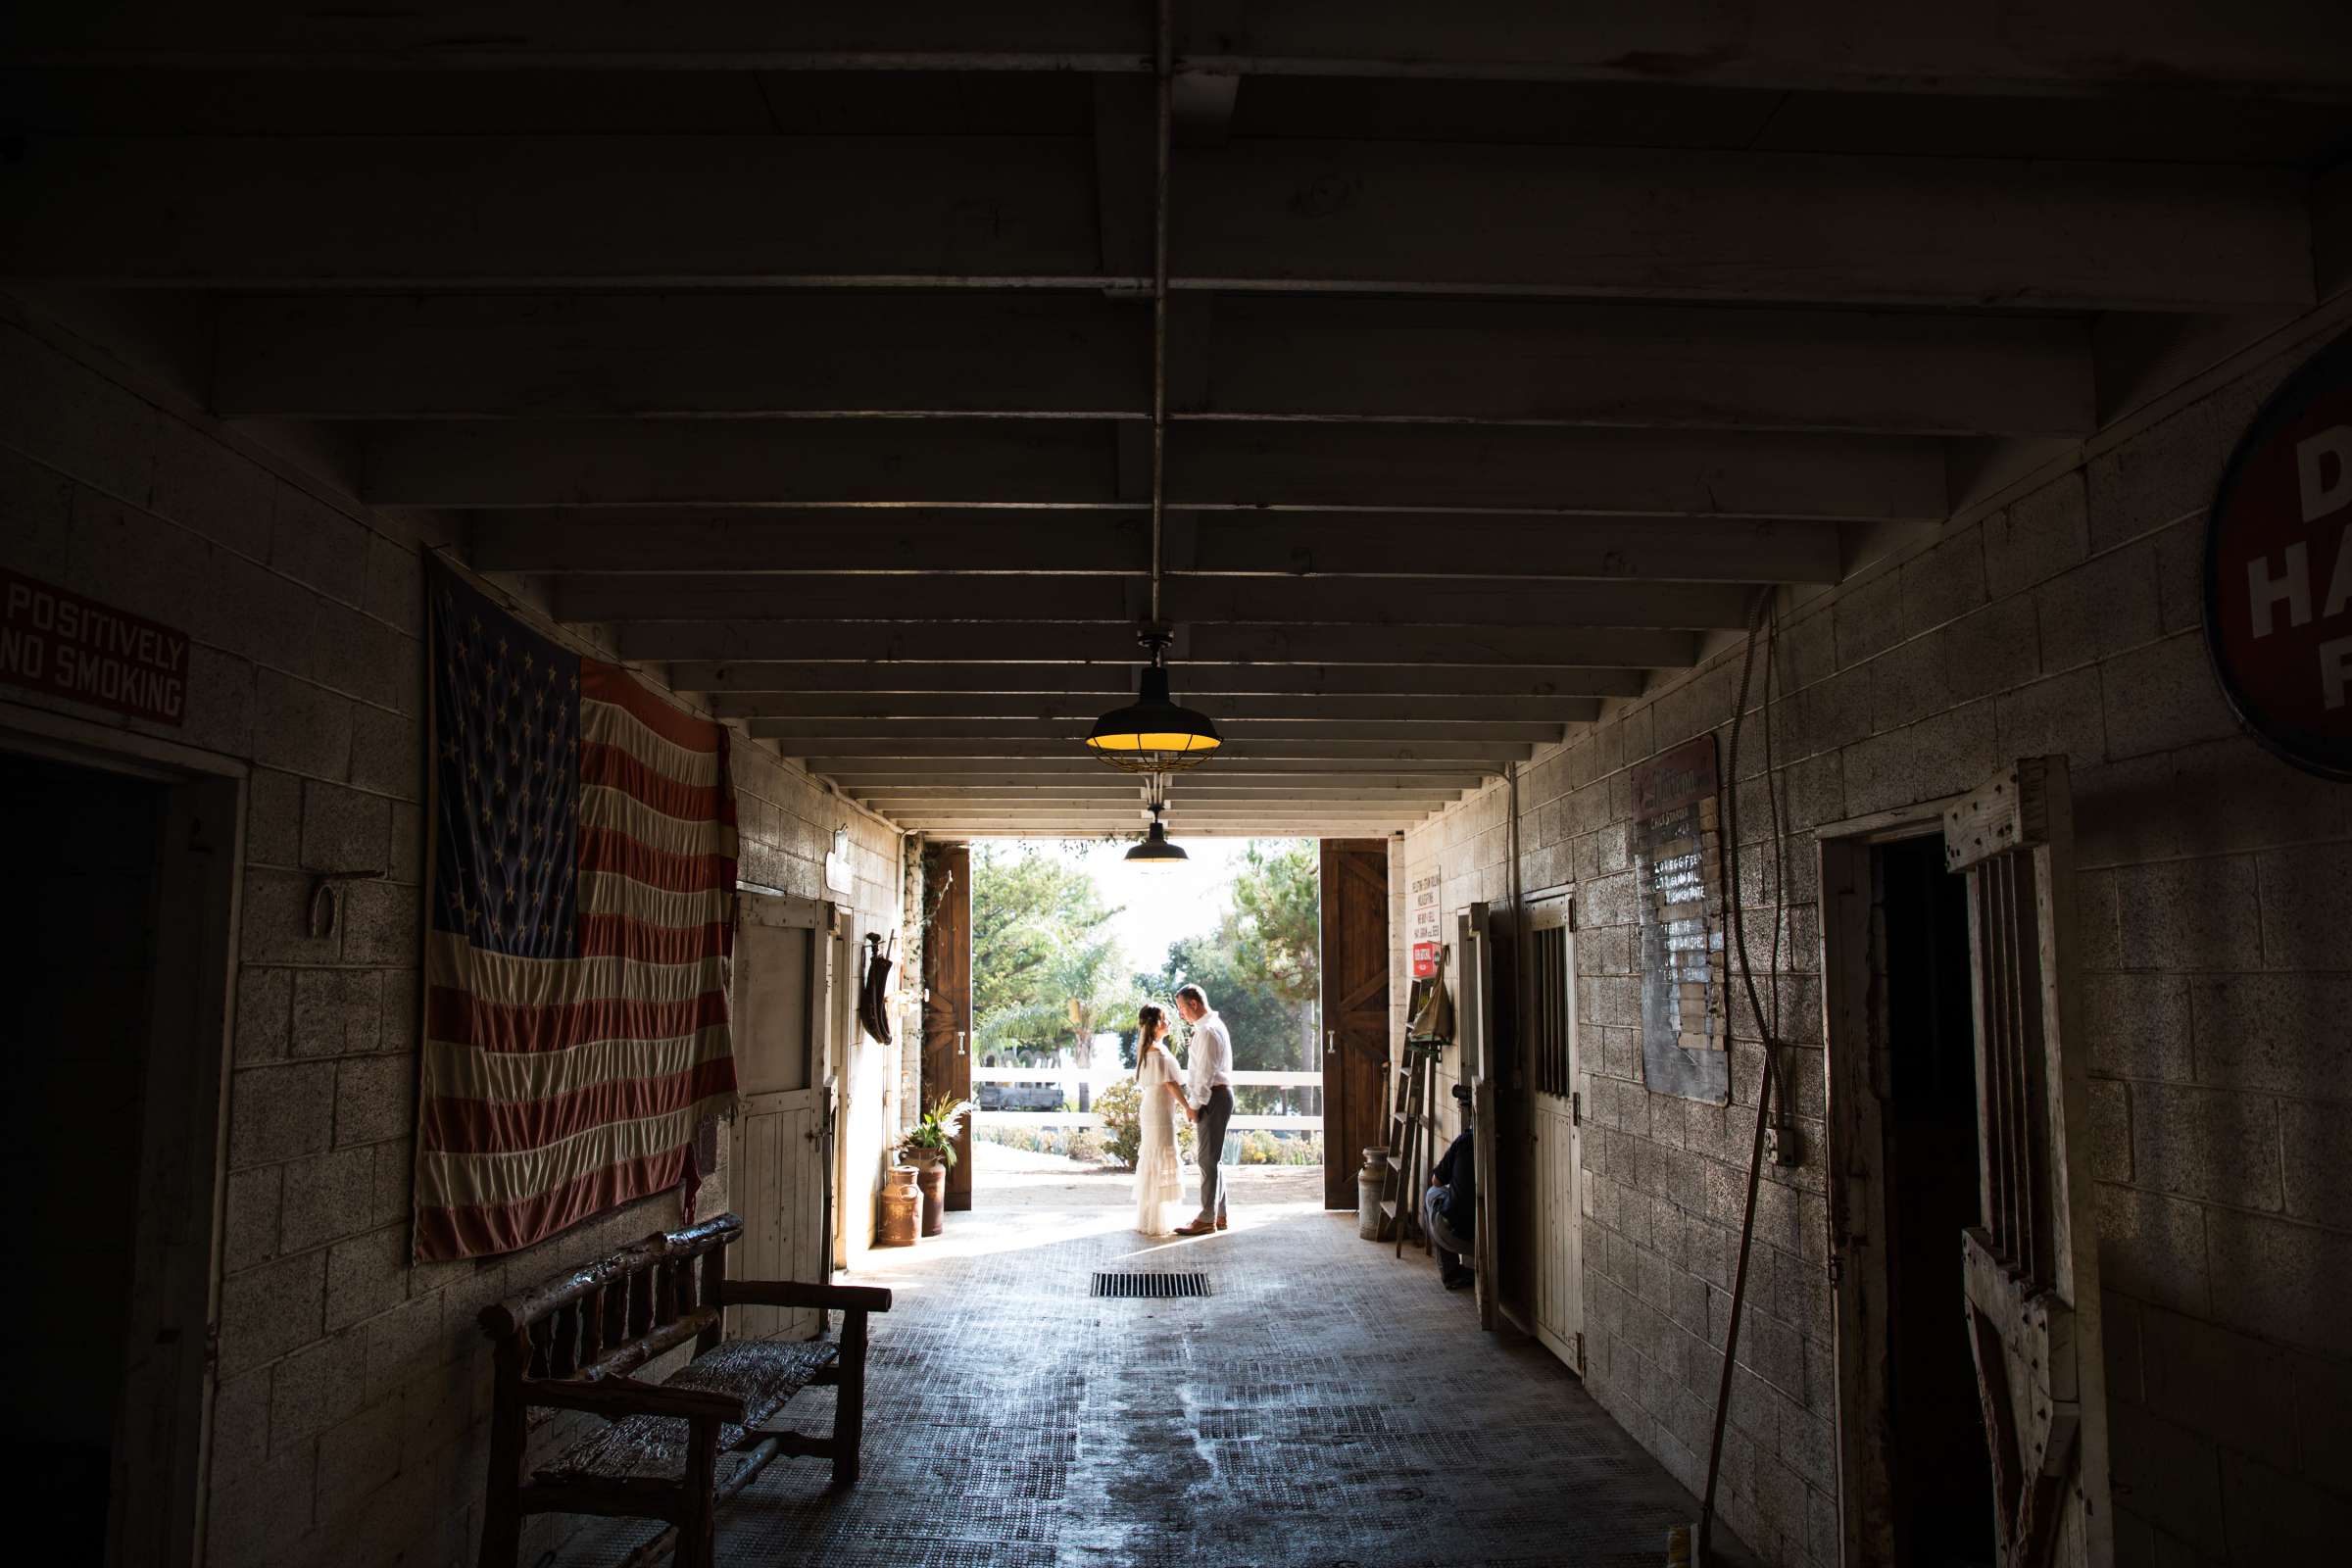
pixel 948 997
pixel 2033 1266
pixel 1355 1009
pixel 781 1147
pixel 1556 1124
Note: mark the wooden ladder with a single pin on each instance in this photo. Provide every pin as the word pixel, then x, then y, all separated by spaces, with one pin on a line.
pixel 1408 1143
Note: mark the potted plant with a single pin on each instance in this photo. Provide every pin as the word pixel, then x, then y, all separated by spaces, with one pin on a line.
pixel 930 1148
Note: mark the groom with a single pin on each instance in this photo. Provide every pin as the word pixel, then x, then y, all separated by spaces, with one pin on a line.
pixel 1208 1101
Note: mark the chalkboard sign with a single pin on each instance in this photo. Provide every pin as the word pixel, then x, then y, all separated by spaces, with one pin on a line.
pixel 1677 894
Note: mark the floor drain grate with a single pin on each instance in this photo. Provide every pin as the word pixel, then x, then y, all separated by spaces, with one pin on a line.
pixel 1157 1286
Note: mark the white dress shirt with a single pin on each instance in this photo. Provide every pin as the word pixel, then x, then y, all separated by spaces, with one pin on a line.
pixel 1209 1059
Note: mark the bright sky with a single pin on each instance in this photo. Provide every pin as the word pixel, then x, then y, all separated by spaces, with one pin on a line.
pixel 1160 905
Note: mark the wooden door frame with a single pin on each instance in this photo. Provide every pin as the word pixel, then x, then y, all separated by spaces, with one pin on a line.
pixel 947 1002
pixel 176 1285
pixel 1545 901
pixel 1338 1168
pixel 788 912
pixel 1853 1158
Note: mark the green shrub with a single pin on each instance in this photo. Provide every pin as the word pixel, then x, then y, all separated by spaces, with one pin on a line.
pixel 1085 1146
pixel 1120 1105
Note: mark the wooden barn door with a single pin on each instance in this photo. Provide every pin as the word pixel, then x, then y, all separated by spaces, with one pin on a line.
pixel 1355 1009
pixel 782 1154
pixel 948 997
pixel 2031 1268
pixel 1557 1228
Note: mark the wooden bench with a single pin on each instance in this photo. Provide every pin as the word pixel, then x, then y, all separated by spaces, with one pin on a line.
pixel 675 1450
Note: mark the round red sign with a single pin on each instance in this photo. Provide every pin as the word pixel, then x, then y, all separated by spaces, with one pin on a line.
pixel 2278 570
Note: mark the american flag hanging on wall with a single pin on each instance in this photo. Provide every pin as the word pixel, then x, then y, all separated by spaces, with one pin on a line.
pixel 581 891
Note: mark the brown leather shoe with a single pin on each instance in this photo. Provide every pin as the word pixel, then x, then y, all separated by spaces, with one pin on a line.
pixel 1196 1228
pixel 1224 1224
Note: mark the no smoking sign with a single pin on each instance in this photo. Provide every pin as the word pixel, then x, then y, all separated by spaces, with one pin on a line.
pixel 2278 570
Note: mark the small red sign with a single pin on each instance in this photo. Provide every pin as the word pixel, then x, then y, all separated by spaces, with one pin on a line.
pixel 1425 959
pixel 61 643
pixel 2278 570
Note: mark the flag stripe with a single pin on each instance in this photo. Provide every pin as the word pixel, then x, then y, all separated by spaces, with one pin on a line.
pixel 618 729
pixel 602 891
pixel 617 936
pixel 471 1073
pixel 504 981
pixel 463 1020
pixel 615 768
pixel 602 849
pixel 457 1125
pixel 610 683
pixel 625 814
pixel 479 1229
pixel 484 1178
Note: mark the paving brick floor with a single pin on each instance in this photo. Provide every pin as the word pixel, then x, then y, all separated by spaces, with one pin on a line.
pixel 1328 1406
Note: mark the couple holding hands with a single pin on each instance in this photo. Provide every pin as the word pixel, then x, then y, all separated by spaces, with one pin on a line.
pixel 1201 1091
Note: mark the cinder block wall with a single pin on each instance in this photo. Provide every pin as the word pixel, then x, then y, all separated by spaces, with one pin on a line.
pixel 350 1424
pixel 2216 938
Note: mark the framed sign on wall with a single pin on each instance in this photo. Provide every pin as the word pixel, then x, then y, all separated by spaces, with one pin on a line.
pixel 2278 570
pixel 1678 900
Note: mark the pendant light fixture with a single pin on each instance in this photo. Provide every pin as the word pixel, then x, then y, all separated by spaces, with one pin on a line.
pixel 1154 852
pixel 1154 734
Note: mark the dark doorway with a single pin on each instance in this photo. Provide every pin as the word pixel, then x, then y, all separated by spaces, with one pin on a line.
pixel 113 1038
pixel 80 927
pixel 1937 1465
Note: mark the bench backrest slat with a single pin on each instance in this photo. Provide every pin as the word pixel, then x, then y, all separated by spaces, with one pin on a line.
pixel 623 1359
pixel 611 1316
pixel 545 1299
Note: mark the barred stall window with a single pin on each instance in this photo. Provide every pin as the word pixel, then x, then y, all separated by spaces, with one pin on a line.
pixel 1553 999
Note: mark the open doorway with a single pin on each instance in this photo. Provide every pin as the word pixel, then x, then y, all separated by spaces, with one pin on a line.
pixel 118 918
pixel 1066 941
pixel 1904 1127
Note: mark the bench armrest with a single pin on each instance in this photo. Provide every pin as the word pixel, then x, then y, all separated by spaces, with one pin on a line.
pixel 797 1293
pixel 619 1397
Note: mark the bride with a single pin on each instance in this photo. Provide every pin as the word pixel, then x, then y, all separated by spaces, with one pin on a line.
pixel 1159 1093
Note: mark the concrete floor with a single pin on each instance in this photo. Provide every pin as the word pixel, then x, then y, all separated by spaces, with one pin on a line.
pixel 1329 1406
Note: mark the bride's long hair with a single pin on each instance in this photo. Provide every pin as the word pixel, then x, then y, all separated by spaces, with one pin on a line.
pixel 1148 1020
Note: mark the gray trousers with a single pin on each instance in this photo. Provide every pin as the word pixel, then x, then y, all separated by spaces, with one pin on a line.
pixel 1209 1145
pixel 1448 1247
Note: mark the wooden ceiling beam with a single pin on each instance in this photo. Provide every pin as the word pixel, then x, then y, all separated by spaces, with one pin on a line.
pixel 1301 707
pixel 1126 601
pixel 896 542
pixel 2087 47
pixel 887 775
pixel 1053 356
pixel 1270 737
pixel 892 799
pixel 750 680
pixel 1318 756
pixel 599 211
pixel 1059 642
pixel 1041 464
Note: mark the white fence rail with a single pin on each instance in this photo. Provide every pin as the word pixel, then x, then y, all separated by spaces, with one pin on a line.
pixel 1098 1078
pixel 1087 1118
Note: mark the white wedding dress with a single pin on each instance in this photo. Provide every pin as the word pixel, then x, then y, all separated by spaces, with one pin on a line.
pixel 1159 1179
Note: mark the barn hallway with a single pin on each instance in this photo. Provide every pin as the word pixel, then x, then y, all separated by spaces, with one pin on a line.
pixel 1328 1403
